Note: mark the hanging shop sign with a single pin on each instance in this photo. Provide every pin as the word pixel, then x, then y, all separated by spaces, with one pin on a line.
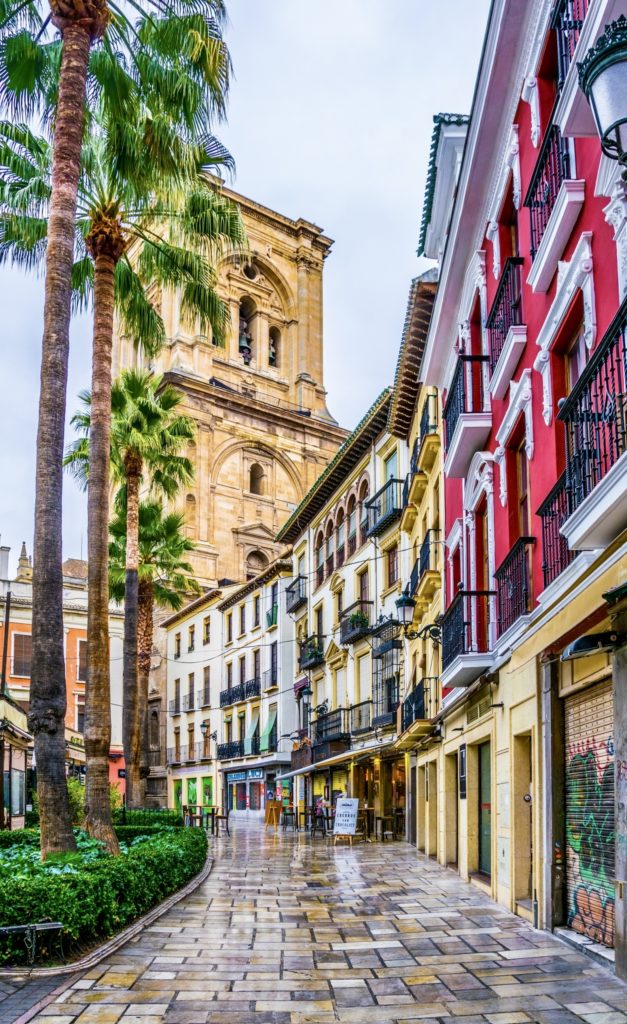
pixel 236 777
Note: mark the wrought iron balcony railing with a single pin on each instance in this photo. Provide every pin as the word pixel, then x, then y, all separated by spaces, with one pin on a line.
pixel 429 418
pixel 465 394
pixel 174 755
pixel 506 309
pixel 270 678
pixel 188 701
pixel 355 621
pixel 333 725
pixel 415 707
pixel 595 414
pixel 513 584
pixel 385 507
pixel 227 751
pixel 232 695
pixel 552 168
pixel 567 20
pixel 175 706
pixel 406 490
pixel 203 750
pixel 311 652
pixel 429 552
pixel 386 699
pixel 361 717
pixel 466 625
pixel 296 594
pixel 556 555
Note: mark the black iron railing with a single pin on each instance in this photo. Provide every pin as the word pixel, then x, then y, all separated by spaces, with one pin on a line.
pixel 351 530
pixel 320 574
pixel 355 621
pixel 466 625
pixel 311 652
pixel 465 394
pixel 595 414
pixel 416 705
pixel 175 706
pixel 386 699
pixel 188 701
pixel 567 20
pixel 413 461
pixel 361 717
pixel 226 751
pixel 296 594
pixel 385 507
pixel 414 578
pixel 556 555
pixel 514 584
pixel 333 725
pixel 231 695
pixel 429 552
pixel 406 489
pixel 552 168
pixel 429 418
pixel 270 678
pixel 506 309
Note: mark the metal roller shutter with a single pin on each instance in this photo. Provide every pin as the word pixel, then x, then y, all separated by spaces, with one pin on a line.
pixel 590 812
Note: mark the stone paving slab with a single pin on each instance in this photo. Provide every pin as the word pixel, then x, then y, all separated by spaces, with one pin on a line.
pixel 287 932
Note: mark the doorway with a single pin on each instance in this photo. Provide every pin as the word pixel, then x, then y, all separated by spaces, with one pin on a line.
pixel 523 821
pixel 451 808
pixel 412 810
pixel 485 809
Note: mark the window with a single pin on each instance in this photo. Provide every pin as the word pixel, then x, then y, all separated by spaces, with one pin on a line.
pixel 242 669
pixel 256 610
pixel 319 560
pixel 177 744
pixel 153 730
pixel 81 672
pixel 206 630
pixel 190 690
pixel 339 600
pixel 21 654
pixel 256 664
pixel 247 311
pixel 228 730
pixel 177 645
pixel 274 595
pixel 274 345
pixel 206 686
pixel 319 620
pixel 80 712
pixel 329 549
pixel 190 742
pixel 352 526
pixel 241 728
pixel 576 358
pixel 522 473
pixel 363 586
pixel 242 619
pixel 229 675
pixel 191 638
pixel 206 739
pixel 177 695
pixel 256 479
pixel 391 558
pixel 229 628
pixel 390 467
pixel 256 562
pixel 274 662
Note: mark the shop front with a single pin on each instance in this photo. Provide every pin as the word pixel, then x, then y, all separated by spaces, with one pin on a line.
pixel 247 790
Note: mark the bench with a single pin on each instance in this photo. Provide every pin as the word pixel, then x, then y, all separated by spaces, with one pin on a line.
pixel 30 933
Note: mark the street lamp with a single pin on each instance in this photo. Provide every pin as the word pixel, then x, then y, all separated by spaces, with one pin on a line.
pixel 603 80
pixel 405 608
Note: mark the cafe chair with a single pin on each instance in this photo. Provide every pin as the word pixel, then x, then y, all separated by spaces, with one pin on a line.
pixel 222 821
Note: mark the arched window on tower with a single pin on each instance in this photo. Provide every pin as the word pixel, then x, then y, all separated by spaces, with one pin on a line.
pixel 256 562
pixel 247 312
pixel 274 347
pixel 190 515
pixel 256 481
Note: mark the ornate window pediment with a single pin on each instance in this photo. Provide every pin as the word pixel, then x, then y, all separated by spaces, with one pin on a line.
pixel 511 165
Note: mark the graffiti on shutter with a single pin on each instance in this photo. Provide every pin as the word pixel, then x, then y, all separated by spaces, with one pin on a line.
pixel 590 813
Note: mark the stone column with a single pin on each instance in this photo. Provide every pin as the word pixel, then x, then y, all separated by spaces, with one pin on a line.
pixel 304 266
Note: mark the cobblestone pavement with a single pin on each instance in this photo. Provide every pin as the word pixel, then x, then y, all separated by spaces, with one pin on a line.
pixel 289 930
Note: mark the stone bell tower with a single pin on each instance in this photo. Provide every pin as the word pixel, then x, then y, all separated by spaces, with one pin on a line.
pixel 264 433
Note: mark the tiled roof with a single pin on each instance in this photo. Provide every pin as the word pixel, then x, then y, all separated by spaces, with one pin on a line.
pixel 438 121
pixel 417 319
pixel 348 456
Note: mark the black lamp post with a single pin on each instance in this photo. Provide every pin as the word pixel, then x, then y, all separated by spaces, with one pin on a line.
pixel 405 606
pixel 603 80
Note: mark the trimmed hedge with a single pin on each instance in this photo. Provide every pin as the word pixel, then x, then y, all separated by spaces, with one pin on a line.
pixel 107 894
pixel 147 816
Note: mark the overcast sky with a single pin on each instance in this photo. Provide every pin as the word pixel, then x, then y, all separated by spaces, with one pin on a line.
pixel 330 119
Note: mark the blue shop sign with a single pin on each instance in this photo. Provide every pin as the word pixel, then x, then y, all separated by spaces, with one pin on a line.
pixel 255 773
pixel 236 777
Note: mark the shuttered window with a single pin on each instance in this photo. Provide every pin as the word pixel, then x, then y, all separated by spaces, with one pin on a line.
pixel 21 654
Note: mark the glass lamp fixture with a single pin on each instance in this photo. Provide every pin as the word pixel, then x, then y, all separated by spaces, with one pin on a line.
pixel 405 606
pixel 603 80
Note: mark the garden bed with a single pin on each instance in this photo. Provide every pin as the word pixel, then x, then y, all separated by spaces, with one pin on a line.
pixel 93 894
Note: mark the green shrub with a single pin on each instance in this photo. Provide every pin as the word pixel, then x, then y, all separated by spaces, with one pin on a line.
pixel 147 816
pixel 22 837
pixel 95 899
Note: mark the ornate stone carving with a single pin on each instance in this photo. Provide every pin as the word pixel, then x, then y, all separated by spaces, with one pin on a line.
pixel 616 216
pixel 520 397
pixel 499 458
pixel 530 96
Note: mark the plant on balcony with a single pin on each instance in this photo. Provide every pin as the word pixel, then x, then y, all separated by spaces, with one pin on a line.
pixel 358 620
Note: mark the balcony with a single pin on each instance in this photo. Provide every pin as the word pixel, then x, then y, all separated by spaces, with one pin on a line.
pixel 567 20
pixel 508 336
pixel 205 698
pixel 270 678
pixel 228 751
pixel 203 751
pixel 467 422
pixel 425 575
pixel 554 201
pixel 361 718
pixel 174 755
pixel 414 712
pixel 302 757
pixel 385 508
pixel 188 701
pixel 331 734
pixel 272 616
pixel 386 672
pixel 429 441
pixel 296 595
pixel 595 419
pixel 175 706
pixel 355 622
pixel 311 652
pixel 556 555
pixel 514 586
pixel 408 515
pixel 466 637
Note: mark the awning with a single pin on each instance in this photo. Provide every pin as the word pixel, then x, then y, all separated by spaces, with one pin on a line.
pixel 265 736
pixel 300 684
pixel 348 755
pixel 252 729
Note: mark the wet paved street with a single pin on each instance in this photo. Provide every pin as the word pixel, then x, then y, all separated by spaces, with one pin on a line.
pixel 287 930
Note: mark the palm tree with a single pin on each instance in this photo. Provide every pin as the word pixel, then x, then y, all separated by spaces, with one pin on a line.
pixel 103 55
pixel 148 436
pixel 118 214
pixel 164 581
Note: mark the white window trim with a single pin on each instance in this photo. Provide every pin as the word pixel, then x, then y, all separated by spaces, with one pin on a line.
pixel 480 483
pixel 511 165
pixel 13 636
pixel 454 541
pixel 576 273
pixel 520 401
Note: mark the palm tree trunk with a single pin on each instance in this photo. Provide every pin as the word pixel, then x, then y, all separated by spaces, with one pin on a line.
pixel 47 692
pixel 145 607
pixel 131 730
pixel 98 691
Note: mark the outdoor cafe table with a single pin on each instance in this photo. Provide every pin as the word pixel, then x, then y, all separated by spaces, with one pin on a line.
pixel 201 815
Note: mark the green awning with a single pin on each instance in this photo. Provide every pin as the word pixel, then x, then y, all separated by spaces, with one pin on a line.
pixel 264 745
pixel 252 729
